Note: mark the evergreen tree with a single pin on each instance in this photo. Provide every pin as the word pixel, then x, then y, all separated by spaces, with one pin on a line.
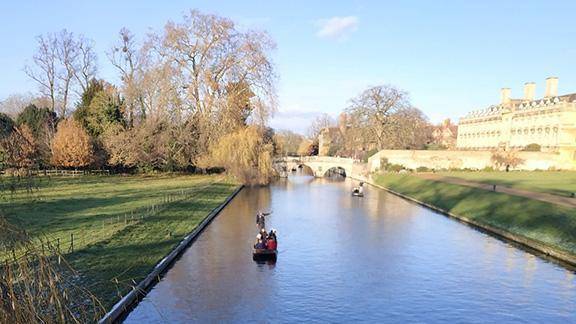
pixel 6 125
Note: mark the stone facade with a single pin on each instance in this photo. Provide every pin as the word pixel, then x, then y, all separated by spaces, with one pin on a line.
pixel 331 139
pixel 327 140
pixel 515 123
pixel 438 160
pixel 445 134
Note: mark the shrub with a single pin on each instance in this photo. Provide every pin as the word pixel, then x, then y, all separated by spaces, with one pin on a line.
pixel 505 159
pixel 435 147
pixel 19 149
pixel 532 148
pixel 72 146
pixel 423 169
pixel 394 167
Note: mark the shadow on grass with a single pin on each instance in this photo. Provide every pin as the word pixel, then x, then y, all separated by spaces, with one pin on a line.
pixel 109 269
pixel 551 224
pixel 131 253
pixel 66 212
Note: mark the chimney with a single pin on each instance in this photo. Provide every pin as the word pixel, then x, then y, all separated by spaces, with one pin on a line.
pixel 529 91
pixel 551 87
pixel 504 95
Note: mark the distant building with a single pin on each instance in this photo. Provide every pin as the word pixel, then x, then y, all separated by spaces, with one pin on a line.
pixel 549 122
pixel 331 138
pixel 445 134
pixel 326 140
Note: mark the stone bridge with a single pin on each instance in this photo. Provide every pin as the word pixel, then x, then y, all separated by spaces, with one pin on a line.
pixel 322 166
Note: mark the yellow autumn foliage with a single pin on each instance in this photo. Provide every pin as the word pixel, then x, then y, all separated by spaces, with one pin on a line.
pixel 72 146
pixel 245 154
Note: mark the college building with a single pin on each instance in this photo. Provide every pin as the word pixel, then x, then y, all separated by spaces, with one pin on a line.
pixel 549 122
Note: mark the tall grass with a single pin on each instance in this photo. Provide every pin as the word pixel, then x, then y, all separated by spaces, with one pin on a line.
pixel 39 286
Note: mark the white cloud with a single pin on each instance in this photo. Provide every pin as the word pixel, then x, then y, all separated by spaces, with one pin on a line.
pixel 337 27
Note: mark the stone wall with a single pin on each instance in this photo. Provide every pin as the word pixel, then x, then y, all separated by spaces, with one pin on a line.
pixel 413 159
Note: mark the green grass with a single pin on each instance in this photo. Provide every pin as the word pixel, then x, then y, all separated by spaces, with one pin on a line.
pixel 550 224
pixel 106 248
pixel 554 182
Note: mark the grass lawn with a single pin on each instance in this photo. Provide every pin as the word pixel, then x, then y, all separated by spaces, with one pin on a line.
pixel 106 247
pixel 554 182
pixel 550 224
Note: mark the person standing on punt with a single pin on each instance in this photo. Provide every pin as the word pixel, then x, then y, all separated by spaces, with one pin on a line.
pixel 260 220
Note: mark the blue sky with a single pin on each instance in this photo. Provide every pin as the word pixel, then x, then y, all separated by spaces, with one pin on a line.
pixel 451 56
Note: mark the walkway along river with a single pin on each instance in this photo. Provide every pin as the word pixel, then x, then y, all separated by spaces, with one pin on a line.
pixel 342 259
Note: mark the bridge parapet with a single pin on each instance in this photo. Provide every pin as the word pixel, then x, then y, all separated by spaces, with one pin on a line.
pixel 320 165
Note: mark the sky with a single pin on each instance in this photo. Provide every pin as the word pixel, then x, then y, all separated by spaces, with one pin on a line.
pixel 450 56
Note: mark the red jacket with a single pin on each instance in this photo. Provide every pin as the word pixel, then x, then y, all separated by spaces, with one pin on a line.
pixel 271 245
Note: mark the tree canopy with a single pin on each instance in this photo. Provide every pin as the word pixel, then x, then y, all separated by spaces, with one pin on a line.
pixel 37 119
pixel 6 125
pixel 72 146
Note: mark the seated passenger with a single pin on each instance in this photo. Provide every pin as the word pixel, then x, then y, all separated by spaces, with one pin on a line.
pixel 263 234
pixel 260 245
pixel 271 244
pixel 258 239
pixel 273 234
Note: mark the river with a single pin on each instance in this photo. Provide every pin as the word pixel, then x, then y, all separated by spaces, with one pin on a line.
pixel 347 259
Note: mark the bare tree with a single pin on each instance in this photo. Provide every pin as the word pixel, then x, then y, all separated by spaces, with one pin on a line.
pixel 288 142
pixel 320 122
pixel 68 55
pixel 411 129
pixel 63 66
pixel 128 60
pixel 210 63
pixel 44 71
pixel 374 114
pixel 87 68
pixel 13 104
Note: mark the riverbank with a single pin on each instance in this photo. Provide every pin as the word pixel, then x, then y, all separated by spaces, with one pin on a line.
pixel 121 227
pixel 561 183
pixel 545 227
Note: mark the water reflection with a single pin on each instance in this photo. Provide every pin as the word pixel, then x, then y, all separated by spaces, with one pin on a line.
pixel 343 259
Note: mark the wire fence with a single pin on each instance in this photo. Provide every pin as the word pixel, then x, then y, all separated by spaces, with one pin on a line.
pixel 73 241
pixel 57 172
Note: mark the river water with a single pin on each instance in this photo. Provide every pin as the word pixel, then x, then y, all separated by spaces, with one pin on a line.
pixel 348 259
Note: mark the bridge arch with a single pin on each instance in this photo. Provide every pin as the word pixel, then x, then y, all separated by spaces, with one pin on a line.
pixel 305 169
pixel 335 171
pixel 320 166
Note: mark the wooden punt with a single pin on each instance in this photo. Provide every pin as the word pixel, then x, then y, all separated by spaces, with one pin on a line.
pixel 264 254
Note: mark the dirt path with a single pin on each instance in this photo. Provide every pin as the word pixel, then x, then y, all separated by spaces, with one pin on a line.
pixel 549 198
